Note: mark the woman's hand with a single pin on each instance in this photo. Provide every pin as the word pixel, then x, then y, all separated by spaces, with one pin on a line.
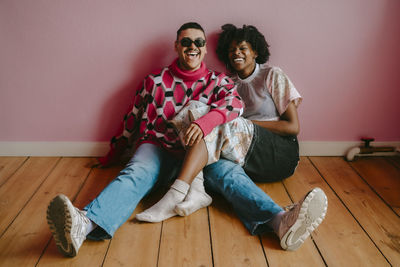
pixel 193 135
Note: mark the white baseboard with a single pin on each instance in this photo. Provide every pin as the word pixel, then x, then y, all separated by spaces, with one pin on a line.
pixel 338 148
pixel 54 149
pixel 95 149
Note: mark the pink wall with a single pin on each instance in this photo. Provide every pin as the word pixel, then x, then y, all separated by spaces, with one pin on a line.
pixel 68 68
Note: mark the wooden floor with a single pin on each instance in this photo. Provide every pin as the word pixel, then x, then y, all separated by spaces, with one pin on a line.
pixel 362 227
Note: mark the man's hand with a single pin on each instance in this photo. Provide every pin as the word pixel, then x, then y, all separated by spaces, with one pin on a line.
pixel 193 135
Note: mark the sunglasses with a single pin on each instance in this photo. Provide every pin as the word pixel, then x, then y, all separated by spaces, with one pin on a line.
pixel 186 42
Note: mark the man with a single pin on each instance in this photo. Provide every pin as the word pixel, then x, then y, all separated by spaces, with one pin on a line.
pixel 159 151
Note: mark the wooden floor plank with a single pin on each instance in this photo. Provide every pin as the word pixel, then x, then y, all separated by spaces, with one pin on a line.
pixel 383 176
pixel 19 188
pixel 91 253
pixel 140 239
pixel 231 242
pixel 23 242
pixel 8 165
pixel 395 160
pixel 397 210
pixel 340 239
pixel 306 255
pixel 185 241
pixel 378 220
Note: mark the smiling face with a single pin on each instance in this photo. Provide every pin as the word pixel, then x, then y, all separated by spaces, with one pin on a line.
pixel 190 58
pixel 242 58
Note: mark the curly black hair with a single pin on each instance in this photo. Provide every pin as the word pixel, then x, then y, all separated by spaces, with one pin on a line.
pixel 249 34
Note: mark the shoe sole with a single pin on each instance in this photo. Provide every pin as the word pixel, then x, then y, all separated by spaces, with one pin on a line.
pixel 60 222
pixel 311 215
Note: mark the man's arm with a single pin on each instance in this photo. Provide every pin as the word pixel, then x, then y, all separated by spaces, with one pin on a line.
pixel 226 107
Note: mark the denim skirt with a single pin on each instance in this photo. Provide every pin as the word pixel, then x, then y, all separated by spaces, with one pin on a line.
pixel 271 157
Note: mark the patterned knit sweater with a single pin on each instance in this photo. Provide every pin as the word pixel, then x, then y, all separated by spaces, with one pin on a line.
pixel 161 96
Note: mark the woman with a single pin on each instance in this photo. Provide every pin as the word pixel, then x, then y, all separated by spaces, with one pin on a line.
pixel 270 99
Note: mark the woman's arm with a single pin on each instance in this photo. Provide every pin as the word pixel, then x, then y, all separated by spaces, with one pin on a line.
pixel 288 125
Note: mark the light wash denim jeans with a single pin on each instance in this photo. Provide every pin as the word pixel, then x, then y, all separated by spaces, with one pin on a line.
pixel 152 165
pixel 116 203
pixel 251 204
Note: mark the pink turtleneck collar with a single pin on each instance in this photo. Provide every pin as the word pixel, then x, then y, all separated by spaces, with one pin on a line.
pixel 187 75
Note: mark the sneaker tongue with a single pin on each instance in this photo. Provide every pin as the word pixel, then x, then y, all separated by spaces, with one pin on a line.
pixel 82 215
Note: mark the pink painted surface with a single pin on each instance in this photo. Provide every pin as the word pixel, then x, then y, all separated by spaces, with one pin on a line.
pixel 69 68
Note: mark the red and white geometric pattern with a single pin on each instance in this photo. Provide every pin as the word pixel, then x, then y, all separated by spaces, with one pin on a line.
pixel 162 96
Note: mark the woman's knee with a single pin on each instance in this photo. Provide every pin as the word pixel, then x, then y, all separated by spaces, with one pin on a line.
pixel 221 169
pixel 224 175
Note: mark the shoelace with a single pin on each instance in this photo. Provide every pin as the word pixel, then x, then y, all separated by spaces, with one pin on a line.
pixel 290 207
pixel 82 222
pixel 82 216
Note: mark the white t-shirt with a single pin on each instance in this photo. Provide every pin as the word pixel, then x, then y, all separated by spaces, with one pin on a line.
pixel 266 93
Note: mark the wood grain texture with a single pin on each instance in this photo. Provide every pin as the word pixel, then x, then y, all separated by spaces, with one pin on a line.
pixel 136 243
pixel 8 165
pixel 360 229
pixel 381 175
pixel 375 217
pixel 185 241
pixel 231 242
pixel 339 238
pixel 306 255
pixel 395 160
pixel 92 253
pixel 21 186
pixel 24 241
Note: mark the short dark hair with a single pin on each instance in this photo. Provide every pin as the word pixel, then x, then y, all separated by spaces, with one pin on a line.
pixel 189 25
pixel 249 34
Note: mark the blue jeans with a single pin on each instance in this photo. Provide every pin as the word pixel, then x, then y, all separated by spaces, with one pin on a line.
pixel 151 165
pixel 251 204
pixel 116 203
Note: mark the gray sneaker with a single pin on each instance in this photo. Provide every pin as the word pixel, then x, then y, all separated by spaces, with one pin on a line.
pixel 67 224
pixel 303 217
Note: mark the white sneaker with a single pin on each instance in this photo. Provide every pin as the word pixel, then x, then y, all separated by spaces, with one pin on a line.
pixel 303 217
pixel 67 224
